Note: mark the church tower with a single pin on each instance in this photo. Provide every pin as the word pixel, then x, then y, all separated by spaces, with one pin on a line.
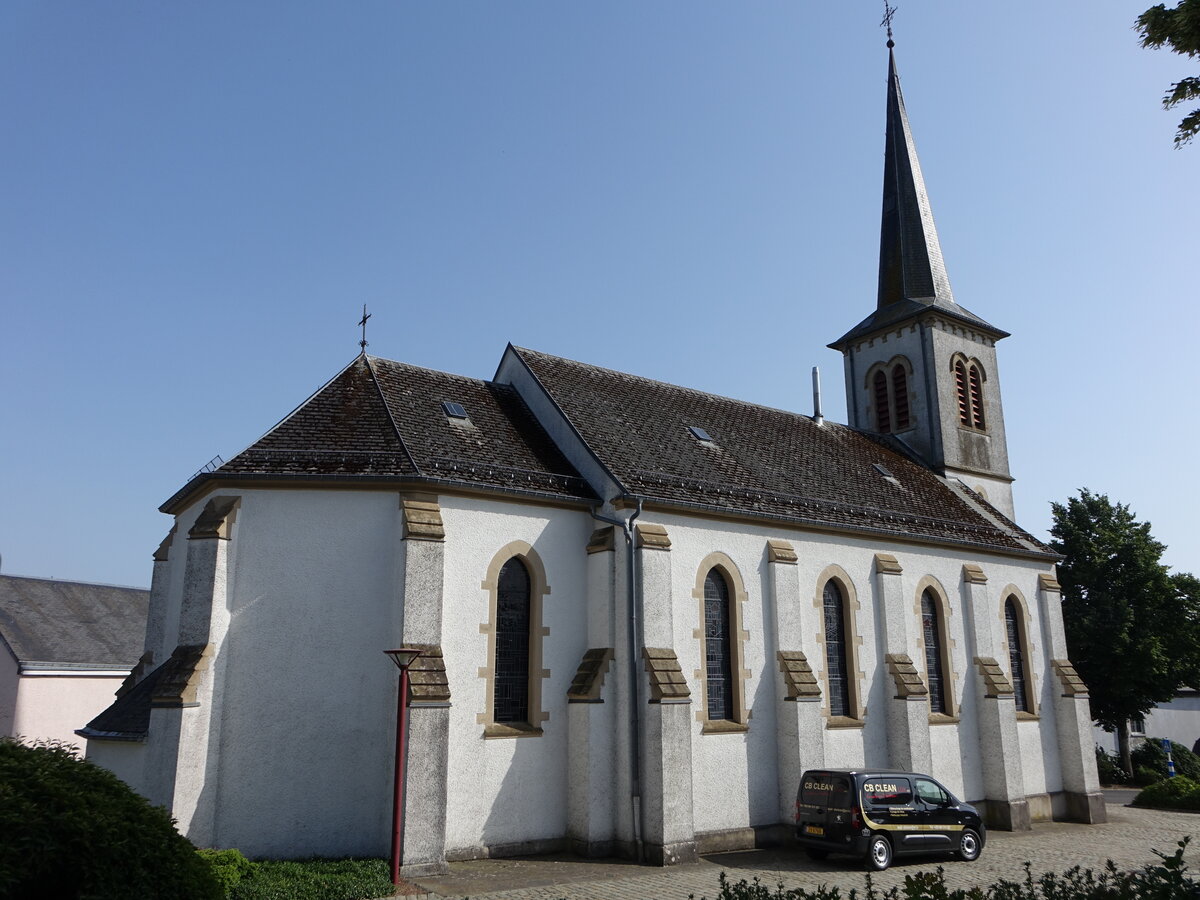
pixel 921 367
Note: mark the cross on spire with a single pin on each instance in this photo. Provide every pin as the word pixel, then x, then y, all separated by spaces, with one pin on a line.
pixel 363 322
pixel 889 12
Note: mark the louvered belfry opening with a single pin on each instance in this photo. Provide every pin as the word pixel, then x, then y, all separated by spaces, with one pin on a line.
pixel 960 386
pixel 717 647
pixel 1016 655
pixel 933 653
pixel 883 419
pixel 836 669
pixel 512 643
pixel 976 386
pixel 900 396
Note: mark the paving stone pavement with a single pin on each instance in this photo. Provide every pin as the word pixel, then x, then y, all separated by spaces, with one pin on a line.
pixel 1128 839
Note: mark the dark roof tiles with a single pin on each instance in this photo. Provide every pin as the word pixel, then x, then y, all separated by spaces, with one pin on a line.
pixel 383 419
pixel 762 461
pixel 72 624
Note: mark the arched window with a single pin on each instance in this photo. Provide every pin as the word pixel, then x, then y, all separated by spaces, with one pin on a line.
pixel 932 629
pixel 883 418
pixel 976 385
pixel 900 396
pixel 837 671
pixel 960 386
pixel 512 644
pixel 968 385
pixel 718 656
pixel 1016 653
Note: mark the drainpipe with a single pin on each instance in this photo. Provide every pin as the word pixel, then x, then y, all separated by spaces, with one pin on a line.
pixel 635 732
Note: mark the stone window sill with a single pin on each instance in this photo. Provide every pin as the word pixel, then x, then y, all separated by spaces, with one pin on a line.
pixel 1023 716
pixel 510 730
pixel 843 722
pixel 723 726
pixel 942 719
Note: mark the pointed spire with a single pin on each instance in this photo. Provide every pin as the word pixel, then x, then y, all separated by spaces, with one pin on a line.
pixel 910 257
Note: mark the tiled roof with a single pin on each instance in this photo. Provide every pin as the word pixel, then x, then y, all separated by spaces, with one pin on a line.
pixel 70 624
pixel 762 461
pixel 379 419
pixel 128 718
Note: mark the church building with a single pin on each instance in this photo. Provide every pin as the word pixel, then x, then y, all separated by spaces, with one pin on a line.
pixel 643 610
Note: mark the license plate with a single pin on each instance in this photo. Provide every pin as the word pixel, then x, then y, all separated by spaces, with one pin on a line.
pixel 814 829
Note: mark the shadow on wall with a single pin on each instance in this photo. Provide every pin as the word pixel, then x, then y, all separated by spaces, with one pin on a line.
pixel 531 804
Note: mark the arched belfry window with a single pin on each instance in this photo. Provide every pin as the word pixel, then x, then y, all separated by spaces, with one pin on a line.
pixel 888 388
pixel 968 385
pixel 718 652
pixel 1016 653
pixel 511 703
pixel 883 416
pixel 837 672
pixel 931 627
pixel 900 397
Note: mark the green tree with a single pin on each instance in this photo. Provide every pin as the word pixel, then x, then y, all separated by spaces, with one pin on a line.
pixel 1179 28
pixel 1133 629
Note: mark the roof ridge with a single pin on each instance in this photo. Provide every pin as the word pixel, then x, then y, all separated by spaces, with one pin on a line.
pixel 53 580
pixel 391 419
pixel 416 368
pixel 680 387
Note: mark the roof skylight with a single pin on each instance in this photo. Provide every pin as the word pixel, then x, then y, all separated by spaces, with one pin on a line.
pixel 454 410
pixel 700 434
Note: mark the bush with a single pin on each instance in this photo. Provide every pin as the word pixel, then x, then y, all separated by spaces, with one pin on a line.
pixel 316 879
pixel 1179 792
pixel 1109 768
pixel 1144 775
pixel 230 866
pixel 69 828
pixel 1167 880
pixel 1151 755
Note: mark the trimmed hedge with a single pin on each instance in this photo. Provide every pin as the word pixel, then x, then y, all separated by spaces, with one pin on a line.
pixel 1179 792
pixel 316 879
pixel 1150 755
pixel 1168 879
pixel 69 828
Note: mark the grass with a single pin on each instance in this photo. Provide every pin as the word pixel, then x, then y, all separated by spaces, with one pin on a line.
pixel 315 879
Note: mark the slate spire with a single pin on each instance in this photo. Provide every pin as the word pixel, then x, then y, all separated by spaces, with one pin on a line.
pixel 910 257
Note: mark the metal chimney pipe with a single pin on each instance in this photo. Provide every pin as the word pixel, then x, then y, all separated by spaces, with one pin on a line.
pixel 816 375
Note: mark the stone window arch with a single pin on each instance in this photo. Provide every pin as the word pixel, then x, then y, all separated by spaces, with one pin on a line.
pixel 842 680
pixel 516 585
pixel 936 648
pixel 1015 614
pixel 721 594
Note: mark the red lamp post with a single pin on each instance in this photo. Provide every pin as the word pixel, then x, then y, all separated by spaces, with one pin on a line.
pixel 403 658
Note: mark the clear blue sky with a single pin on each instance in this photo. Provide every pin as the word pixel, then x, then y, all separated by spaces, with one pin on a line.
pixel 197 199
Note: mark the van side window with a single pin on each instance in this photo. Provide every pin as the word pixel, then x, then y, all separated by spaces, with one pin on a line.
pixel 931 793
pixel 887 791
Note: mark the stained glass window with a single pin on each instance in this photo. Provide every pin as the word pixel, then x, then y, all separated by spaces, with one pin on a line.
pixel 717 650
pixel 1016 655
pixel 835 650
pixel 933 653
pixel 512 644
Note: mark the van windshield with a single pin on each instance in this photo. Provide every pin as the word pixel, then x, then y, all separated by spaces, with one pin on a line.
pixel 824 789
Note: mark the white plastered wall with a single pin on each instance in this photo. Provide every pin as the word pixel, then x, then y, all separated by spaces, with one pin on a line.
pixel 509 790
pixel 734 775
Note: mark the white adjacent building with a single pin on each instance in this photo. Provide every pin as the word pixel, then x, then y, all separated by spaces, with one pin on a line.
pixel 644 609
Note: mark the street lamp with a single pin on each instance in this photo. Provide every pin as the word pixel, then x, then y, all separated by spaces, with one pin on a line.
pixel 403 658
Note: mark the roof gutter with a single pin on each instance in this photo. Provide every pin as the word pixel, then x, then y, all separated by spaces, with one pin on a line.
pixel 635 707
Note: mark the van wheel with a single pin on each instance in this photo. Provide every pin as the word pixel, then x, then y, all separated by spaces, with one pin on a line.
pixel 969 846
pixel 817 855
pixel 879 853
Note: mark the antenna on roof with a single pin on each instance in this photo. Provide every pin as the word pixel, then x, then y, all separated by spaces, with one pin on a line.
pixel 817 417
pixel 363 322
pixel 889 13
